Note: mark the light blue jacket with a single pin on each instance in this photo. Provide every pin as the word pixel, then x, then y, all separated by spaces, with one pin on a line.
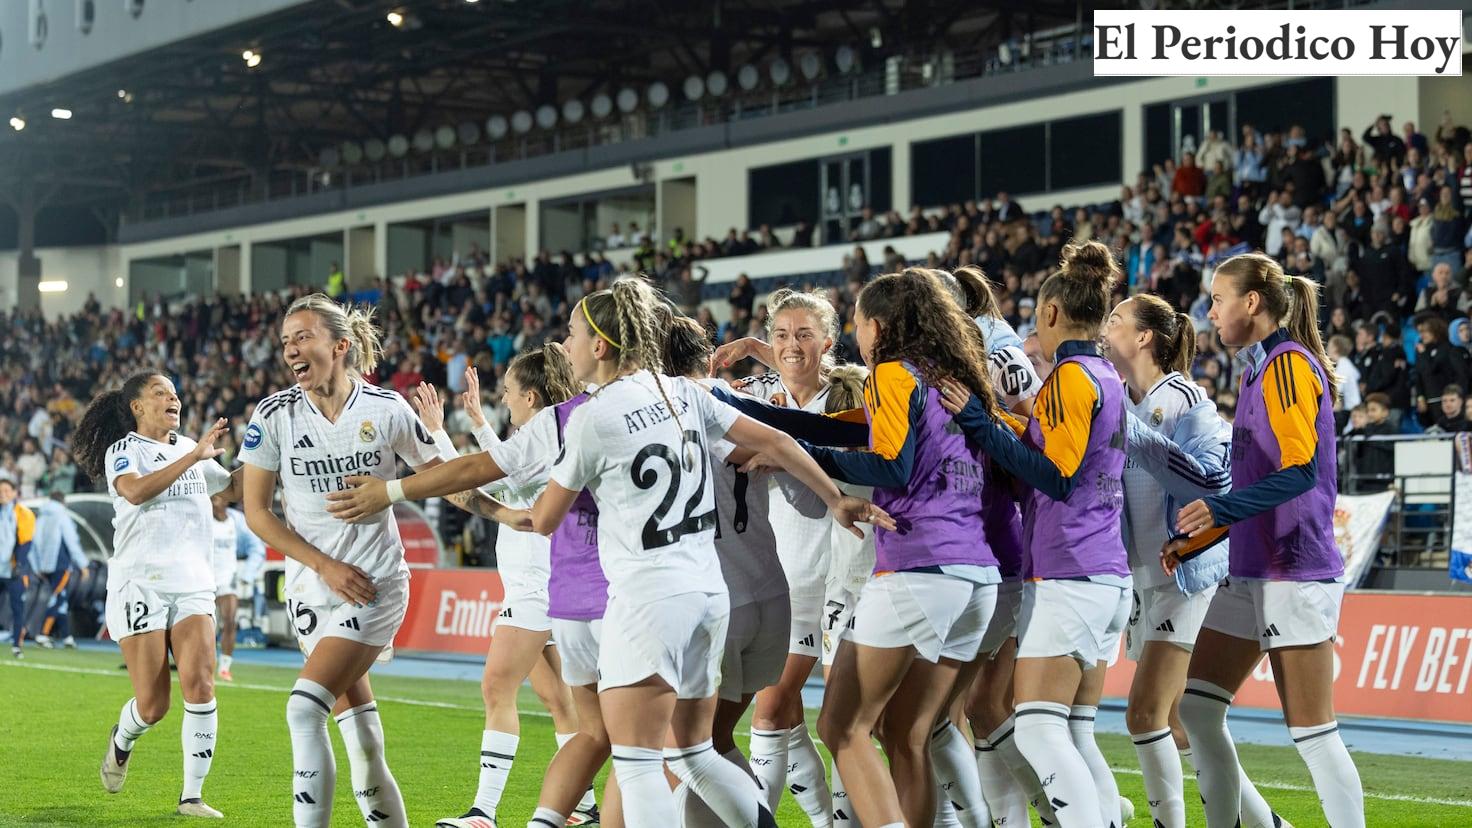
pixel 1193 463
pixel 55 529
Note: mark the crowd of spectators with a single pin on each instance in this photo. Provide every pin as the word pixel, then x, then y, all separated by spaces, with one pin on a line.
pixel 1380 220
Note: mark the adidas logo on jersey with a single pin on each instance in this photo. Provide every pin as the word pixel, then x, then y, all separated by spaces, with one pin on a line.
pixel 1271 631
pixel 351 623
pixel 304 442
pixel 806 641
pixel 160 458
pixel 1166 626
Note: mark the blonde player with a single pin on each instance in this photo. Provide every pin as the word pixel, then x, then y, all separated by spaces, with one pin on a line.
pixel 347 584
pixel 640 445
pixel 160 583
pixel 802 329
pixel 521 643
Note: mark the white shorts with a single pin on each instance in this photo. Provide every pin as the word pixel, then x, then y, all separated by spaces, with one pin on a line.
pixel 1277 613
pixel 1164 613
pixel 679 638
pixel 1081 619
pixel 224 566
pixel 133 608
pixel 375 624
pixel 1004 618
pixel 525 610
pixel 805 597
pixel 941 616
pixel 577 647
pixel 756 647
pixel 837 612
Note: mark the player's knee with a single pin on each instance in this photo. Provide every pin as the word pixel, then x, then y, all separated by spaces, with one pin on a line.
pixel 306 709
pixel 1143 716
pixel 839 734
pixel 498 691
pixel 151 710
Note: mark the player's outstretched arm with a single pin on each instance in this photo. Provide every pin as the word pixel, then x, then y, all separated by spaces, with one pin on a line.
pixel 367 496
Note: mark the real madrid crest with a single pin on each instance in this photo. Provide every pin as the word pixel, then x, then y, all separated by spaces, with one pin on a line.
pixel 366 433
pixel 1157 417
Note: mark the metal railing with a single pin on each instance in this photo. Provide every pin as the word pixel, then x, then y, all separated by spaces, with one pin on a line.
pixel 1421 470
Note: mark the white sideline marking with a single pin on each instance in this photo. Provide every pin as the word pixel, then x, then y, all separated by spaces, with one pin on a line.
pixel 1281 786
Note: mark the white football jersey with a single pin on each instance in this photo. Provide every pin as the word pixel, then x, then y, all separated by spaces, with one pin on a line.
pixel 312 457
pixel 223 554
pixel 799 516
pixel 1161 408
pixel 1013 376
pixel 852 561
pixel 651 482
pixel 524 559
pixel 165 543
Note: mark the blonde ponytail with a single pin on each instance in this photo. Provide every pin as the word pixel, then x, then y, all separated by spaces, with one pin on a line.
pixel 1292 302
pixel 355 324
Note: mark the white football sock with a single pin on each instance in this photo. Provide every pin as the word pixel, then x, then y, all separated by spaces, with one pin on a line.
pixel 1164 786
pixel 647 797
pixel 546 818
pixel 197 733
pixel 131 726
pixel 1004 797
pixel 1005 743
pixel 737 758
pixel 769 763
pixel 314 771
pixel 1043 737
pixel 1256 812
pixel 807 778
pixel 374 787
pixel 497 752
pixel 590 798
pixel 954 768
pixel 728 791
pixel 843 810
pixel 1081 727
pixel 1335 777
pixel 1203 712
pixel 225 662
pixel 945 811
pixel 692 810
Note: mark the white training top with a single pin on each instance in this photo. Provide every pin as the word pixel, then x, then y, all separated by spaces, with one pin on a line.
pixel 799 516
pixel 165 543
pixel 1160 409
pixel 312 456
pixel 745 542
pixel 652 485
pixel 524 559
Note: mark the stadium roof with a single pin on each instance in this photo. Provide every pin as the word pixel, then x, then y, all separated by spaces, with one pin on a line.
pixel 197 116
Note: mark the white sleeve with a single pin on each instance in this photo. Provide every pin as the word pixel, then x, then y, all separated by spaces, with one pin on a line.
pixel 408 437
pixel 486 436
pixel 444 445
pixel 578 464
pixel 715 416
pixel 121 461
pixel 260 446
pixel 528 454
pixel 216 478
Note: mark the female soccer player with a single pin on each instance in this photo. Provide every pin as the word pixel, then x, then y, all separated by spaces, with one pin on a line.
pixel 988 706
pixel 521 644
pixel 640 446
pixel 919 621
pixel 160 579
pixel 231 538
pixel 760 614
pixel 1179 450
pixel 802 329
pixel 1076 599
pixel 1287 576
pixel 347 584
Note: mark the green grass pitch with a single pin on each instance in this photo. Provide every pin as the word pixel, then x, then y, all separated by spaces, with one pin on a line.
pixel 59 706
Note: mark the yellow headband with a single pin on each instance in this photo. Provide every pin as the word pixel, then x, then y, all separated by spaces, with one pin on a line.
pixel 1288 279
pixel 594 325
